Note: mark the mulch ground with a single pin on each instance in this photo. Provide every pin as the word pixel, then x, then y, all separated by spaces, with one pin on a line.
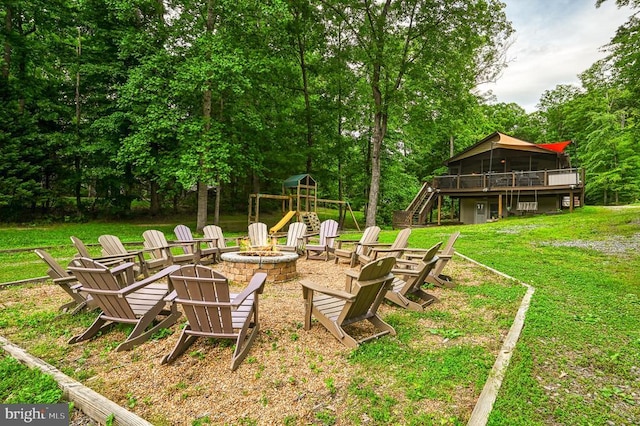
pixel 288 377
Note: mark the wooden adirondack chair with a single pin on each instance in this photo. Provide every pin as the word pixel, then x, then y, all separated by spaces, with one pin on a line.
pixel 378 250
pixel 436 277
pixel 83 251
pixel 212 311
pixel 326 243
pixel 409 280
pixel 214 234
pixel 67 282
pixel 112 246
pixel 295 237
pixel 259 235
pixel 356 247
pixel 160 250
pixel 122 301
pixel 364 291
pixel 183 234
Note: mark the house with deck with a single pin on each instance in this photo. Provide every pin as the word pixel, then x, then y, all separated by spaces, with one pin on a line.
pixel 497 177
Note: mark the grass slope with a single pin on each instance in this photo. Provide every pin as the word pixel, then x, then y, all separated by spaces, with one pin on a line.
pixel 577 361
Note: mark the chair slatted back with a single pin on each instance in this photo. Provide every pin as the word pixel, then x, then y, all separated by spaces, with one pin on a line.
pixel 204 295
pixel 448 248
pixel 55 270
pixel 99 281
pixel 111 245
pixel 81 247
pixel 425 265
pixel 153 238
pixel 214 232
pixel 328 228
pixel 258 234
pixel 369 236
pixel 295 232
pixel 183 233
pixel 448 251
pixel 431 253
pixel 369 288
pixel 426 268
pixel 401 242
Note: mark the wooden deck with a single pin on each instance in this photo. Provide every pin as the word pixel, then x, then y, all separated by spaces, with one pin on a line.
pixel 535 180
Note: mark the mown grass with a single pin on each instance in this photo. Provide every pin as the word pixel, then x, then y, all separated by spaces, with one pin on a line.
pixel 22 385
pixel 577 361
pixel 18 241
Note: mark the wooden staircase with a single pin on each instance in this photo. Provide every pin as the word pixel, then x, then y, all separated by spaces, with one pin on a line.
pixel 416 212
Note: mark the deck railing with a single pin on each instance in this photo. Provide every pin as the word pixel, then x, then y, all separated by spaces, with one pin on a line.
pixel 515 179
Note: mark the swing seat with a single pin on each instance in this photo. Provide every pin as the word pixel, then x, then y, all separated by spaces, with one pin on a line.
pixel 527 206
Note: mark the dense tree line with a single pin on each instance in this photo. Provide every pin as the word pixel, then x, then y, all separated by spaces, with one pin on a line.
pixel 105 102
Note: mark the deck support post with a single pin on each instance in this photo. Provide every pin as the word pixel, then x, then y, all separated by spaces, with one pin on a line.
pixel 571 202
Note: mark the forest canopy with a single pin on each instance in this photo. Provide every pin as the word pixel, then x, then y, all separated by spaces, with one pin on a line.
pixel 175 103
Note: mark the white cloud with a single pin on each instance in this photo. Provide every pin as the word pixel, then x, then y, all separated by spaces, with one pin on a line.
pixel 555 41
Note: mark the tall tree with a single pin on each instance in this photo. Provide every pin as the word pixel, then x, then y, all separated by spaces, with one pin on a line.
pixel 440 46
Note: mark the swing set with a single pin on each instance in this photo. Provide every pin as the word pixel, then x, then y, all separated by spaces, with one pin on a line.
pixel 299 199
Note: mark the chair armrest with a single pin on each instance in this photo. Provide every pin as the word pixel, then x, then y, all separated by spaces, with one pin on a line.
pixel 256 285
pixel 412 272
pixel 387 250
pixel 306 237
pixel 153 278
pixel 69 279
pixel 373 245
pixel 351 273
pixel 417 250
pixel 406 262
pixel 115 256
pixel 342 240
pixel 122 267
pixel 171 297
pixel 329 291
pixel 148 249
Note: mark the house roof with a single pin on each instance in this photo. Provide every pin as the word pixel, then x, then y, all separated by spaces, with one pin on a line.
pixel 500 140
pixel 292 181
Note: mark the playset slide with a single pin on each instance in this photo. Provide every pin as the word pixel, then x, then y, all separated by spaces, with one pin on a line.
pixel 282 222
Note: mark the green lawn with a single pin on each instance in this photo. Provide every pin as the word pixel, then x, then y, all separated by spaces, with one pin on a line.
pixel 578 358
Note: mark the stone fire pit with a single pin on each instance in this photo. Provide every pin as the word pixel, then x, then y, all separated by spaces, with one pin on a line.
pixel 239 266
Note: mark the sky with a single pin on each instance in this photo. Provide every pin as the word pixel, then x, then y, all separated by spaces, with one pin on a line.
pixel 555 40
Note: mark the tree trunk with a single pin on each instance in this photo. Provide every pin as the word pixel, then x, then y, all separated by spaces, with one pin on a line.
pixel 203 194
pixel 154 207
pixel 203 199
pixel 379 131
pixel 450 146
pixel 216 211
